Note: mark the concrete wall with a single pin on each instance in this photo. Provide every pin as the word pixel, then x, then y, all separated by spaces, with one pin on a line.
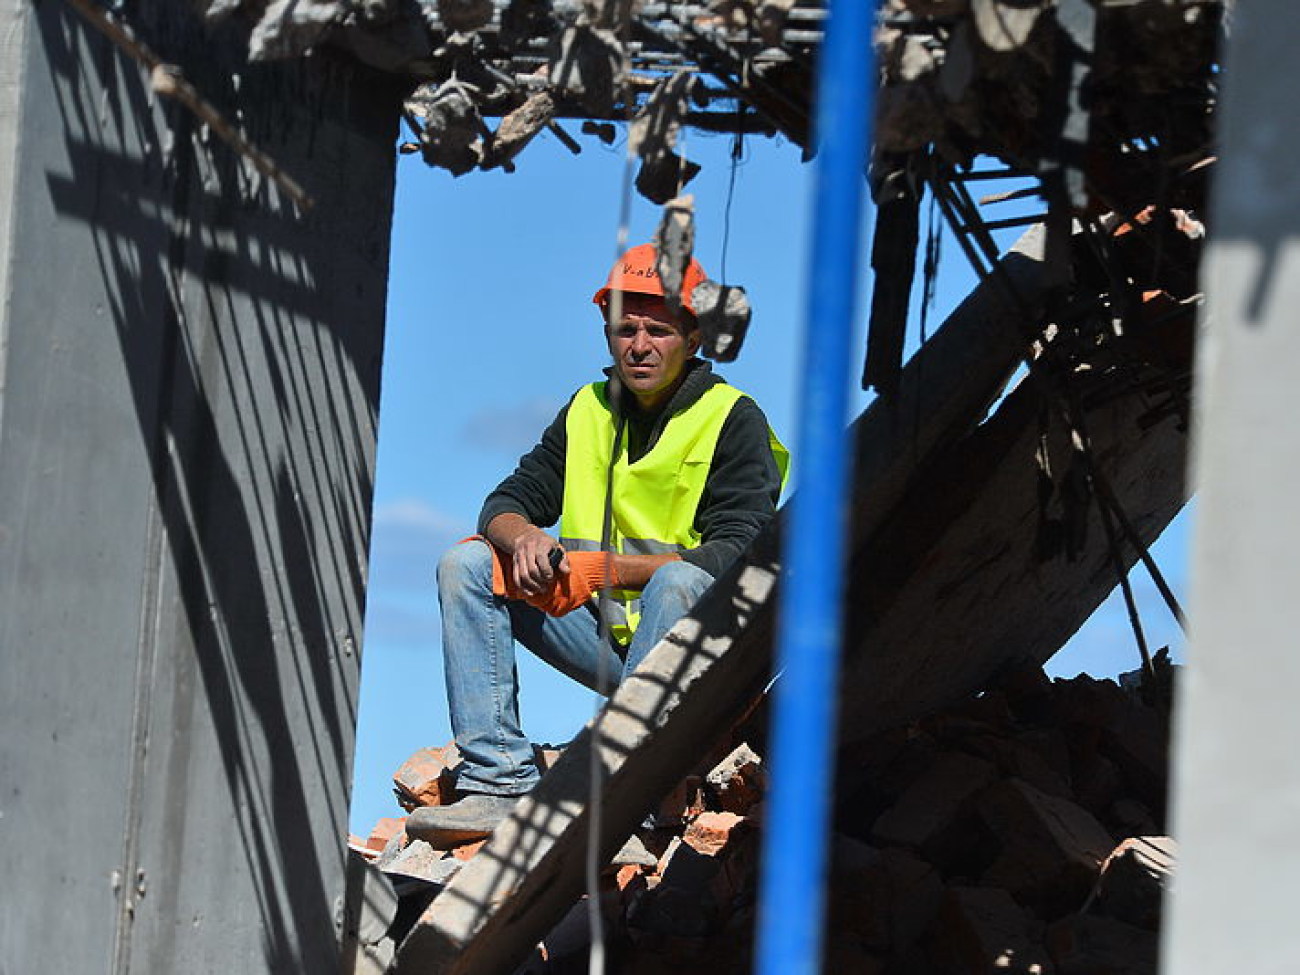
pixel 187 432
pixel 1237 774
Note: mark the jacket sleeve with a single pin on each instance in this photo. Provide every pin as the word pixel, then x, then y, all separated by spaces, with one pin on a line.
pixel 741 492
pixel 536 488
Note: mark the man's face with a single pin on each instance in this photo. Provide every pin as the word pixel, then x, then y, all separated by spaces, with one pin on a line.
pixel 649 349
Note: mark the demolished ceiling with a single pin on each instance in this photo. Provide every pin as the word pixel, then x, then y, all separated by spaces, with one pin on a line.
pixel 1121 89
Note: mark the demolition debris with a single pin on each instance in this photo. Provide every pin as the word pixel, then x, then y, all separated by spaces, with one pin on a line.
pixel 1022 830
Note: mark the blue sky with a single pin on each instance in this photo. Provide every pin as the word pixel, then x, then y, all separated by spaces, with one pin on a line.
pixel 490 328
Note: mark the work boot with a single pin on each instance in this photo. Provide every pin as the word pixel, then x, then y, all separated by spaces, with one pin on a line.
pixel 469 818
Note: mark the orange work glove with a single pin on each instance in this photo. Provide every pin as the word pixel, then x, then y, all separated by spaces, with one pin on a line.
pixel 502 581
pixel 588 573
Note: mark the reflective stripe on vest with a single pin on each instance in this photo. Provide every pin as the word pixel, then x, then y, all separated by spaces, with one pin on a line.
pixel 655 498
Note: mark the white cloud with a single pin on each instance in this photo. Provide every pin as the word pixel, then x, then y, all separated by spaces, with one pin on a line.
pixel 413 513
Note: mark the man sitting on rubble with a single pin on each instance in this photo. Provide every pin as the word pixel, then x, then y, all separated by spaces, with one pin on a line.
pixel 696 473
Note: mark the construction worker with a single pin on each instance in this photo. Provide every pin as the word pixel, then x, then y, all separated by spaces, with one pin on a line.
pixel 696 473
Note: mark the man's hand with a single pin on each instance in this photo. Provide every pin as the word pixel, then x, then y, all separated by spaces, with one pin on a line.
pixel 529 550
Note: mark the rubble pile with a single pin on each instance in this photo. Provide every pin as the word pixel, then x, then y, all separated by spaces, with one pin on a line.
pixel 966 77
pixel 1021 831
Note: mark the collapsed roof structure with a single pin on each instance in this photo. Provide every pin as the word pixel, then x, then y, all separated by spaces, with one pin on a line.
pixel 1102 111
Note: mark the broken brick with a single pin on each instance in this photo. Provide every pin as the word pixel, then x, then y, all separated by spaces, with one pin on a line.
pixel 684 803
pixel 982 929
pixel 933 802
pixel 1083 944
pixel 1051 848
pixel 1134 879
pixel 710 832
pixel 739 781
pixel 466 851
pixel 384 831
pixel 425 778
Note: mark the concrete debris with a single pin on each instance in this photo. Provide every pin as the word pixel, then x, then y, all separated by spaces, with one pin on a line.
pixel 983 929
pixel 420 862
pixel 363 919
pixel 1050 848
pixel 587 64
pixel 1134 879
pixel 518 129
pixel 969 77
pixel 604 131
pixel 944 860
pixel 767 18
pixel 663 174
pixel 1003 26
pixel 934 802
pixel 674 246
pixel 453 134
pixel 723 312
pixel 653 136
pixel 523 19
pixel 1082 944
pixel 465 15
pixel 738 782
pixel 290 28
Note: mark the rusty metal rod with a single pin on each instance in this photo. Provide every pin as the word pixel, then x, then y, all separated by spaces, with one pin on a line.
pixel 167 80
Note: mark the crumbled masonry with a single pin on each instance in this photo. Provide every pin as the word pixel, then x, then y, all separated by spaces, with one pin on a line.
pixel 1021 830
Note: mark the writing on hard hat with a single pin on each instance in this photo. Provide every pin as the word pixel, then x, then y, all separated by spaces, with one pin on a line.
pixel 635 271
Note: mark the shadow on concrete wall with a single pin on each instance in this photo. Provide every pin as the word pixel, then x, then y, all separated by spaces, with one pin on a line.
pixel 245 344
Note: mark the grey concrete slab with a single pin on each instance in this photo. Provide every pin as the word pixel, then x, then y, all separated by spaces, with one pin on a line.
pixel 186 461
pixel 1236 764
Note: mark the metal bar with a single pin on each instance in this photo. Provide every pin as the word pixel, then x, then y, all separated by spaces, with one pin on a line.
pixel 792 895
pixel 166 80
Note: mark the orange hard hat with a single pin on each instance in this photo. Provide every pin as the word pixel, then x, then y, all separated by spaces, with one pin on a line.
pixel 636 271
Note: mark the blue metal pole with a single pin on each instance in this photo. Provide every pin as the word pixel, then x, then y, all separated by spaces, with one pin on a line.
pixel 800 750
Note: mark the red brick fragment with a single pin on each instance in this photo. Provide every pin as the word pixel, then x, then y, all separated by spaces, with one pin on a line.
pixel 384 831
pixel 467 851
pixel 425 778
pixel 711 831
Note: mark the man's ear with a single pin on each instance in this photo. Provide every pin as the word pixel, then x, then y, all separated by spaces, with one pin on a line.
pixel 693 340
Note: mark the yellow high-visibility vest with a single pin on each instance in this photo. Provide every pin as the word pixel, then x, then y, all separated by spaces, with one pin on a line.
pixel 655 498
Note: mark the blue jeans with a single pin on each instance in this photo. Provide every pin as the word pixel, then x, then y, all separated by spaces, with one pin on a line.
pixel 479 631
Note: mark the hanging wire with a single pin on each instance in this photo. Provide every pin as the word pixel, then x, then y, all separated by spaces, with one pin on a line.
pixel 596 953
pixel 1134 618
pixel 929 278
pixel 737 150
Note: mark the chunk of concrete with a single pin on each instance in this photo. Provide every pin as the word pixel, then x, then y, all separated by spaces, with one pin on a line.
pixel 982 929
pixel 1134 879
pixel 1051 848
pixel 1084 944
pixel 934 801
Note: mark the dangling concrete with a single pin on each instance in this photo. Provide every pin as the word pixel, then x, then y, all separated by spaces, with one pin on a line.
pixel 190 387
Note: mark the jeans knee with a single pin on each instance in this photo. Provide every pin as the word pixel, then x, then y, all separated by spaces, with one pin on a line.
pixel 680 579
pixel 464 566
